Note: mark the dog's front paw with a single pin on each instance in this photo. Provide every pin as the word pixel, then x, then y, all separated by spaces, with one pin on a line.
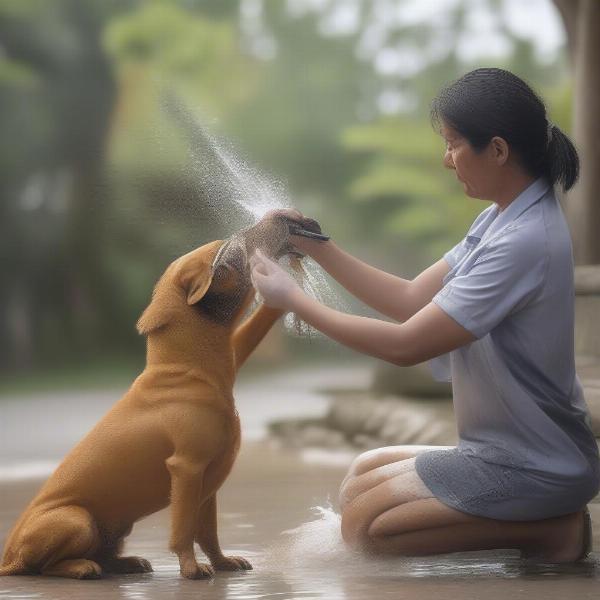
pixel 231 563
pixel 194 570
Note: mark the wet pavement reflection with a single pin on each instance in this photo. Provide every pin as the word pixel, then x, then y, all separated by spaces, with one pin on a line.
pixel 272 491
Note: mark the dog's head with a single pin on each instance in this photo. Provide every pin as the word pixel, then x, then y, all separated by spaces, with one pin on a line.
pixel 212 283
pixel 191 286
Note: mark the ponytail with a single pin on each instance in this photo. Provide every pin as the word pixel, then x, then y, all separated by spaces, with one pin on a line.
pixel 561 164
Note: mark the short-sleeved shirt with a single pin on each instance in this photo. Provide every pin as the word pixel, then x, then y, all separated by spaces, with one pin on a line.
pixel 517 398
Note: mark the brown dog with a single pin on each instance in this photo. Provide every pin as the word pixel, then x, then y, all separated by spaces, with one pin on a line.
pixel 172 438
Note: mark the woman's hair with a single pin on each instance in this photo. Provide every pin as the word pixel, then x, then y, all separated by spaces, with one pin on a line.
pixel 493 102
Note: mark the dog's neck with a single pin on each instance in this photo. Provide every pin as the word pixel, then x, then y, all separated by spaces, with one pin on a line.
pixel 193 348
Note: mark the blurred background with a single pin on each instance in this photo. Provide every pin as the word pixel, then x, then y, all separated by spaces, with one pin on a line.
pixel 328 99
pixel 107 109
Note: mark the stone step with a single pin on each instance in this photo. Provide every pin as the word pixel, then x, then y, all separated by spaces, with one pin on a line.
pixel 587 310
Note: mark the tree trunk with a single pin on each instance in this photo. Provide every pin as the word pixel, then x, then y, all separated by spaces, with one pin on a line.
pixel 582 23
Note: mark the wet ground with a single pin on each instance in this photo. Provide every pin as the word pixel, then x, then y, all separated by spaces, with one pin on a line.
pixel 274 510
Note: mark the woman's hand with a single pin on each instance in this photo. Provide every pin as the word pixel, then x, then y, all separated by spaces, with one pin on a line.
pixel 276 287
pixel 301 243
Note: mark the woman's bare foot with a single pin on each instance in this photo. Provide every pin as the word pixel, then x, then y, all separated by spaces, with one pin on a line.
pixel 563 542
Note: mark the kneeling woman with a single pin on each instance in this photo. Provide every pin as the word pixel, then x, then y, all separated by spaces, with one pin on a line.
pixel 495 315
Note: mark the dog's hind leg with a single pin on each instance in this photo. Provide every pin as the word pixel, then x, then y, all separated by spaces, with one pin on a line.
pixel 60 543
pixel 75 568
pixel 110 561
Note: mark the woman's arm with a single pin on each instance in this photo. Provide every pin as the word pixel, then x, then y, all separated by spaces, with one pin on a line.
pixel 429 333
pixel 392 296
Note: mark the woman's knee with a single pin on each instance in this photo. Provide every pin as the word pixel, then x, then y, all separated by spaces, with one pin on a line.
pixel 347 491
pixel 352 487
pixel 358 465
pixel 356 529
pixel 357 468
pixel 371 459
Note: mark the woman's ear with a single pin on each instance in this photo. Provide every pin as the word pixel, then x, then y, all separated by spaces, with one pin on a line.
pixel 500 150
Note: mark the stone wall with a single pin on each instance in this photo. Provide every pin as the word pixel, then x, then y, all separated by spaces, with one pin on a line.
pixel 403 405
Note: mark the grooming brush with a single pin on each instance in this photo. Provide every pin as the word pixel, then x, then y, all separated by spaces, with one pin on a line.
pixel 315 234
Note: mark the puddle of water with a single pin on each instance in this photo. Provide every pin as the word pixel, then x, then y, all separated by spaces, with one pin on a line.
pixel 310 562
pixel 318 544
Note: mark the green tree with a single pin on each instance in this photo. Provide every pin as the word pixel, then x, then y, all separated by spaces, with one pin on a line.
pixel 59 90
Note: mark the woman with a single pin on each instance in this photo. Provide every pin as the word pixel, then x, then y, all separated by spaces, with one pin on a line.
pixel 495 314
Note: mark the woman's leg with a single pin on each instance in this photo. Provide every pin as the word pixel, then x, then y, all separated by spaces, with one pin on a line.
pixel 389 510
pixel 442 530
pixel 364 472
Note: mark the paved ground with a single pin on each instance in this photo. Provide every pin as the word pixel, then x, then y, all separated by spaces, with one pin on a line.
pixel 270 491
pixel 274 490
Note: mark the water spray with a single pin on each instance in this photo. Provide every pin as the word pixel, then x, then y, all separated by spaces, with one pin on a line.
pixel 231 187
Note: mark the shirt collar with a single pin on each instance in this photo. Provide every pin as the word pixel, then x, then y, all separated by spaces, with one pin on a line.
pixel 519 205
pixel 479 228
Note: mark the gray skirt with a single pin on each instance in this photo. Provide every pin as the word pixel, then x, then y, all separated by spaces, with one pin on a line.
pixel 471 485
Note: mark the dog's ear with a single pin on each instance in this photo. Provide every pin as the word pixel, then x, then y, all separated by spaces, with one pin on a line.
pixel 196 284
pixel 156 315
pixel 196 271
pixel 193 274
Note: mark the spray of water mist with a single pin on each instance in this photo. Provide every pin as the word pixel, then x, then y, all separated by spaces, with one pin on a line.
pixel 311 544
pixel 239 195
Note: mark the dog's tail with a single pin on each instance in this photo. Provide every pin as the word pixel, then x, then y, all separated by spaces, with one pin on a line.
pixel 14 568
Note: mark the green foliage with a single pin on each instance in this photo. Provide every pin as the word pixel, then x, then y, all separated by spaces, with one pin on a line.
pixel 559 102
pixel 100 189
pixel 395 179
pixel 197 55
pixel 307 92
pixel 16 75
pixel 405 164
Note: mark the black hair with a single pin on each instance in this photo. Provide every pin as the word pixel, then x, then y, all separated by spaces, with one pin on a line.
pixel 491 102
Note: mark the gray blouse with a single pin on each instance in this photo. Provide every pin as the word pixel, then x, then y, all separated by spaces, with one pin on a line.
pixel 517 398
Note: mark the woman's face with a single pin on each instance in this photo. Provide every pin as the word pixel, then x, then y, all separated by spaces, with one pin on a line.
pixel 475 170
